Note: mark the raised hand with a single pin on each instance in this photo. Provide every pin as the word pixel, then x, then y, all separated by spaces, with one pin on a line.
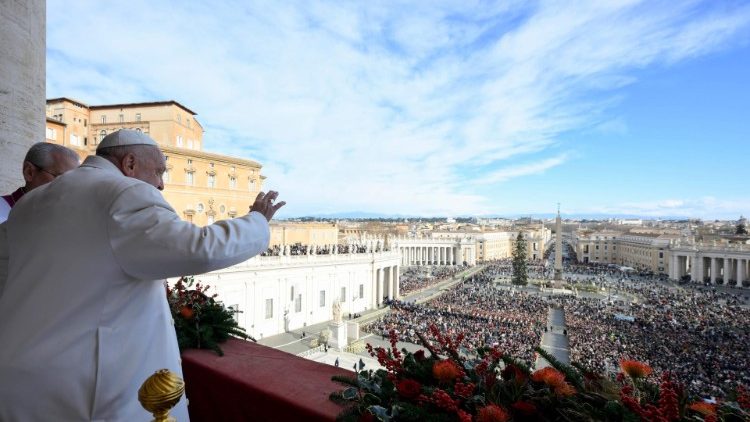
pixel 264 204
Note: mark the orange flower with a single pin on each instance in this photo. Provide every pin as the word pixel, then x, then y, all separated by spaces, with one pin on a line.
pixel 635 369
pixel 492 413
pixel 446 370
pixel 186 312
pixel 549 376
pixel 555 379
pixel 703 408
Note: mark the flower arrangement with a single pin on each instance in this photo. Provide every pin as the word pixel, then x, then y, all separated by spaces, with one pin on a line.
pixel 199 320
pixel 493 387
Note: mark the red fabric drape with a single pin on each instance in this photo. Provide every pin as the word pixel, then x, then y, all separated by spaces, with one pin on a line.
pixel 257 383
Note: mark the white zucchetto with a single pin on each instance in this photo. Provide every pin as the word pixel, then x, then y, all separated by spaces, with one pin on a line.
pixel 125 137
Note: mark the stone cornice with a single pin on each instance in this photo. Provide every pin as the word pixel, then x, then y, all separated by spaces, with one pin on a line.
pixel 209 156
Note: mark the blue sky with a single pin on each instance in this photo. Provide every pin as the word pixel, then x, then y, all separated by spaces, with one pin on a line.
pixel 441 108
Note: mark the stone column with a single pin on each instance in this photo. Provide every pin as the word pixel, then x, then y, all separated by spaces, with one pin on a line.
pixel 380 287
pixel 396 284
pixel 374 289
pixel 681 266
pixel 694 275
pixel 673 267
pixel 392 291
pixel 714 269
pixel 741 263
pixel 22 85
pixel 727 269
pixel 388 276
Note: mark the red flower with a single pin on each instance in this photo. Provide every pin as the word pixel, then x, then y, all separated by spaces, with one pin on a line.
pixel 635 369
pixel 446 370
pixel 186 312
pixel 524 408
pixel 492 413
pixel 443 400
pixel 409 389
pixel 366 416
pixel 668 401
pixel 463 416
pixel 463 390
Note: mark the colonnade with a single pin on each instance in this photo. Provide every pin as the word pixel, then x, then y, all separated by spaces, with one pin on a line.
pixel 385 285
pixel 437 255
pixel 710 267
pixel 428 255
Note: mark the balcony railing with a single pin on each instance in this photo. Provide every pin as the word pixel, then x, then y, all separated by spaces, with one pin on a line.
pixel 254 382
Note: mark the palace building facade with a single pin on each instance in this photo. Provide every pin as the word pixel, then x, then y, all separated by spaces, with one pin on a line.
pixel 202 187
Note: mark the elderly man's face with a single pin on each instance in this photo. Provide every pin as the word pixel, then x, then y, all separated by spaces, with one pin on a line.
pixel 36 176
pixel 151 167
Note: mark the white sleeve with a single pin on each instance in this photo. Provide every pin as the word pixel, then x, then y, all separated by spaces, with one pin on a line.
pixel 150 241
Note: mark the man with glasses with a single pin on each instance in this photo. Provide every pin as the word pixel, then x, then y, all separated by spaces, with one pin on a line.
pixel 43 163
pixel 85 318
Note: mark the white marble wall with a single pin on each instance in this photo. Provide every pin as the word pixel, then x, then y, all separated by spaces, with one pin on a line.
pixel 251 283
pixel 22 85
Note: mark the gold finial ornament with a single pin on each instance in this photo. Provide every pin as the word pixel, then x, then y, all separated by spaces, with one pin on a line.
pixel 160 393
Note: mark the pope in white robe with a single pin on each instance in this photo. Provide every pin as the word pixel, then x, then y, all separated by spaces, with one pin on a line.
pixel 84 317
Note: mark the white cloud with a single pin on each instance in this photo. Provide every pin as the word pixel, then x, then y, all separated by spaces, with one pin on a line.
pixel 526 169
pixel 374 108
pixel 706 207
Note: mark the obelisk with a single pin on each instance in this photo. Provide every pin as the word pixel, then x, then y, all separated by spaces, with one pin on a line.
pixel 558 249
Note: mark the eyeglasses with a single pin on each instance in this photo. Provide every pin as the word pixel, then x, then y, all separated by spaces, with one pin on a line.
pixel 54 176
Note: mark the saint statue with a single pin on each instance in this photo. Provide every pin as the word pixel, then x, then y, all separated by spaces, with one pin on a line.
pixel 337 311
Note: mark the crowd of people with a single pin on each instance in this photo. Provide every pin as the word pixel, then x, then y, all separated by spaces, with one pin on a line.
pixel 700 335
pixel 697 333
pixel 418 278
pixel 300 249
pixel 487 316
pixel 502 269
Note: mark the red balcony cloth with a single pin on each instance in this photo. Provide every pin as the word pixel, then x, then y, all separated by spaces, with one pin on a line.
pixel 257 383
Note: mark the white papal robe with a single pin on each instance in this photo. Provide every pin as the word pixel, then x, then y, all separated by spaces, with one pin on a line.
pixel 83 315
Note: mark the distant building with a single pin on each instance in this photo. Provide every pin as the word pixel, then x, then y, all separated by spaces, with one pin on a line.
pixel 305 233
pixel 640 249
pixel 202 187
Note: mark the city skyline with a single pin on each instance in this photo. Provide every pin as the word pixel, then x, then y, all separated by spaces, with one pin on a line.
pixel 626 108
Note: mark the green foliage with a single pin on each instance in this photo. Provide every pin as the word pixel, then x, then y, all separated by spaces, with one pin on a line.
pixel 520 274
pixel 200 321
pixel 740 229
